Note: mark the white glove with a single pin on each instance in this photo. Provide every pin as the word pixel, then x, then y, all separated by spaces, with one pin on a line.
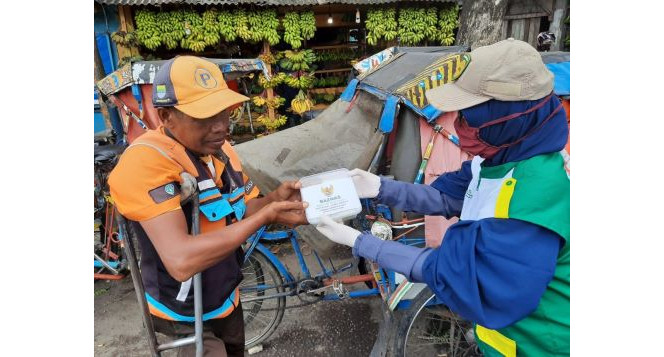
pixel 187 187
pixel 367 184
pixel 337 232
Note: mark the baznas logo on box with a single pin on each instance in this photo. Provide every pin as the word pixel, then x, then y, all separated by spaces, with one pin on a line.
pixel 327 191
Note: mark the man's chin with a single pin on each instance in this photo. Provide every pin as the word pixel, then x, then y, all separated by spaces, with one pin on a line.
pixel 212 147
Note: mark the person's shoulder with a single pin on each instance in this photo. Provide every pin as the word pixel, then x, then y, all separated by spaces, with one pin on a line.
pixel 145 158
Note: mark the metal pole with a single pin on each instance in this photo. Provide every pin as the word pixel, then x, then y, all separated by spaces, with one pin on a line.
pixel 246 92
pixel 198 289
pixel 106 265
pixel 138 284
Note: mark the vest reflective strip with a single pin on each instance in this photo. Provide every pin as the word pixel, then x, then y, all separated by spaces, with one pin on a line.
pixel 204 185
pixel 504 198
pixel 184 290
pixel 498 341
pixel 158 309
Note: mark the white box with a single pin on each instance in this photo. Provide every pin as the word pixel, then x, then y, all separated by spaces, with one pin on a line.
pixel 330 193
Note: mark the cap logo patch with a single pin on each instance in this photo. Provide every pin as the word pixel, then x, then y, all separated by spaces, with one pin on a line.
pixel 161 91
pixel 204 78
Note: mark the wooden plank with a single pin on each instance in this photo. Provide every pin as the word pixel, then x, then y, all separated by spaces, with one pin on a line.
pixel 518 29
pixel 123 51
pixel 333 70
pixel 525 16
pixel 346 45
pixel 130 27
pixel 534 31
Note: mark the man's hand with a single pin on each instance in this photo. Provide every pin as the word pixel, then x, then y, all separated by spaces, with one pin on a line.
pixel 287 191
pixel 337 232
pixel 367 184
pixel 286 212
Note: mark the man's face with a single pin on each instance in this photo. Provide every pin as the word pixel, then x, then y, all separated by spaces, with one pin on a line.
pixel 203 136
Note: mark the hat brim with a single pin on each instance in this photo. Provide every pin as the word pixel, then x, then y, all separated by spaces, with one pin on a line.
pixel 450 97
pixel 212 104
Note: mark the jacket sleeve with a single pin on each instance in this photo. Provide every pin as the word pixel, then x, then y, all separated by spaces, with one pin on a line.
pixel 444 197
pixel 492 272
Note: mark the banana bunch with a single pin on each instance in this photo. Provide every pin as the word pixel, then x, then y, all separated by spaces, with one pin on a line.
pixel 275 102
pixel 171 26
pixel 300 82
pixel 390 19
pixel 301 104
pixel 448 20
pixel 431 21
pixel 255 25
pixel 412 25
pixel 258 101
pixel 375 26
pixel 272 125
pixel 271 22
pixel 268 58
pixel 211 27
pixel 307 25
pixel 147 31
pixel 242 24
pixel 273 82
pixel 297 60
pixel 235 114
pixel 381 24
pixel 292 33
pixel 263 26
pixel 226 25
pixel 194 29
pixel 124 38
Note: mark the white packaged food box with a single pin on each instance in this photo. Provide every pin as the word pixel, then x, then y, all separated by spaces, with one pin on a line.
pixel 332 194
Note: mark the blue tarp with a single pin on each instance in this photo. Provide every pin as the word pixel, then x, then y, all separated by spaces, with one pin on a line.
pixel 561 75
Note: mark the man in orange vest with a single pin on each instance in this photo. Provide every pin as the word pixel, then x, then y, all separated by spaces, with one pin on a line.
pixel 193 103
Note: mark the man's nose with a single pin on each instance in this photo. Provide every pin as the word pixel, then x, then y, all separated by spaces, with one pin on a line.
pixel 219 126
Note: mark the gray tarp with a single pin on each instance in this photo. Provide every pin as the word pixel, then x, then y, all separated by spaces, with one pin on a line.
pixel 335 139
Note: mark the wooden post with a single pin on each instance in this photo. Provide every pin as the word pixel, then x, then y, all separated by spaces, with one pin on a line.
pixel 556 26
pixel 270 91
pixel 99 74
pixel 126 25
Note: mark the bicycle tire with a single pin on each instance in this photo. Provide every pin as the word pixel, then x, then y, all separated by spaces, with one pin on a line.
pixel 270 315
pixel 416 319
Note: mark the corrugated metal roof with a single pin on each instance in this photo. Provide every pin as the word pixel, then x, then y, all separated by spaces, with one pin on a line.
pixel 257 2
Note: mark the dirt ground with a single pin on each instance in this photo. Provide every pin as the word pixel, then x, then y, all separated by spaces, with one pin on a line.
pixel 337 328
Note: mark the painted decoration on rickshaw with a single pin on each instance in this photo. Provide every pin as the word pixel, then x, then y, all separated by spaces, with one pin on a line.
pixel 374 61
pixel 438 73
pixel 116 81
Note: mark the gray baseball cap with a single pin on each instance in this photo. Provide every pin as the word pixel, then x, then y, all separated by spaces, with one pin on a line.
pixel 509 70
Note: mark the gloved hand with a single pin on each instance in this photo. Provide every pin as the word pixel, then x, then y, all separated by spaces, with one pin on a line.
pixel 367 184
pixel 187 187
pixel 337 232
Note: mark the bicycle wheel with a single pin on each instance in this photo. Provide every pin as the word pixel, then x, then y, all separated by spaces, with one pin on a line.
pixel 433 330
pixel 261 317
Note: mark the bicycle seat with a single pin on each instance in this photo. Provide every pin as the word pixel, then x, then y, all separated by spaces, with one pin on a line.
pixel 108 152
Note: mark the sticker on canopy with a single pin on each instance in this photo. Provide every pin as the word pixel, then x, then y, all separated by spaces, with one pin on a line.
pixel 440 72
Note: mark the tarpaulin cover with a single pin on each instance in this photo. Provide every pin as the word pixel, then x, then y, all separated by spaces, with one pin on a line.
pixel 334 139
pixel 561 74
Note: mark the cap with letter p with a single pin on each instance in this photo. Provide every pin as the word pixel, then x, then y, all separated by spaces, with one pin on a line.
pixel 194 86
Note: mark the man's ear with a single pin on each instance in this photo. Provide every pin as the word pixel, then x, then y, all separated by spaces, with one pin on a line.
pixel 166 117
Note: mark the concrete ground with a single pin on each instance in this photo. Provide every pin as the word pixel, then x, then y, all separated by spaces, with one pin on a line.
pixel 337 328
